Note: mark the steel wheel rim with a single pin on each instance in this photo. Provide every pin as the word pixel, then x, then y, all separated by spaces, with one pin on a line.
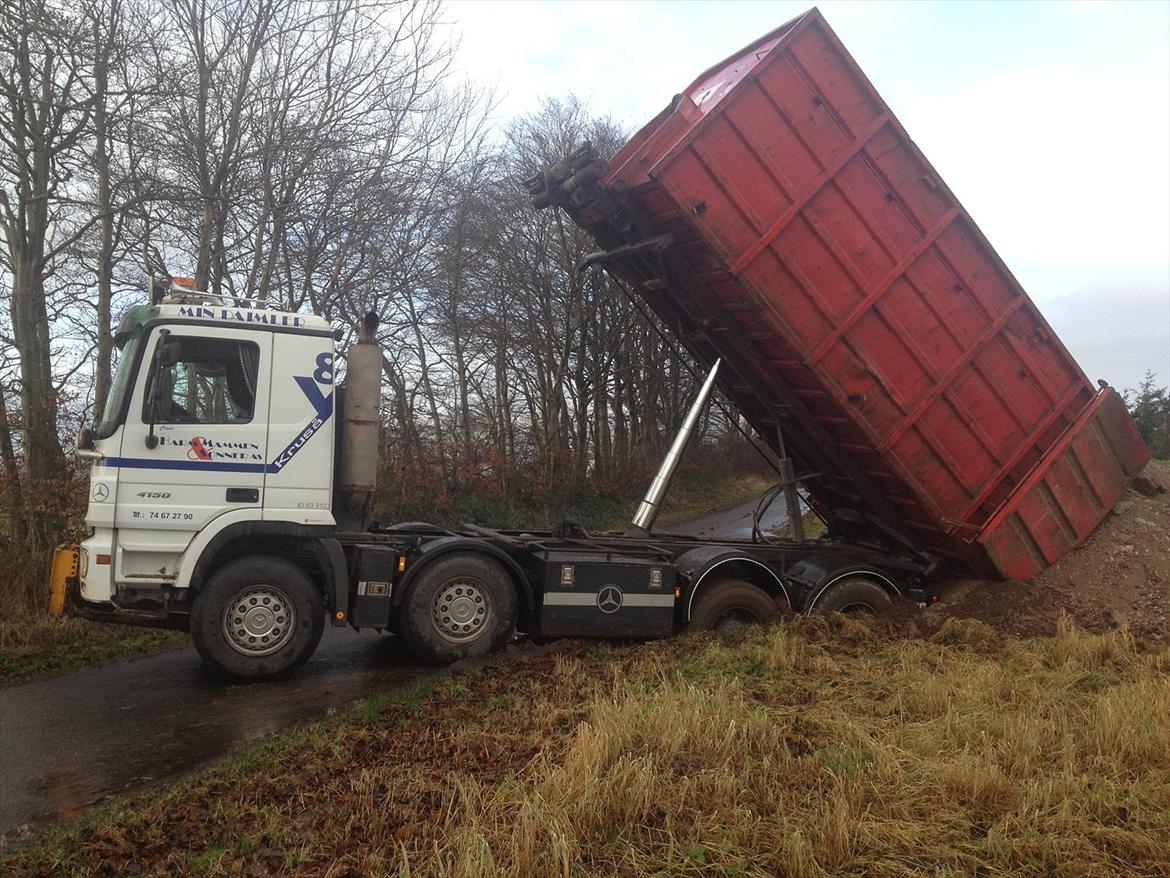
pixel 259 620
pixel 857 608
pixel 462 610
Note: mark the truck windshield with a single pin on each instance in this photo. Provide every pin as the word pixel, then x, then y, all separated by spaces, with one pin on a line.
pixel 119 385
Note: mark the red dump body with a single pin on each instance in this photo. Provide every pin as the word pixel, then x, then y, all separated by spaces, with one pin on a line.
pixel 862 313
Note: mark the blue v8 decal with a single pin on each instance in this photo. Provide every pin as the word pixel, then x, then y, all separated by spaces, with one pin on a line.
pixel 322 407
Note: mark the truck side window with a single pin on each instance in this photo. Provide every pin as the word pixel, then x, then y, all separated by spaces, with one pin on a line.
pixel 214 382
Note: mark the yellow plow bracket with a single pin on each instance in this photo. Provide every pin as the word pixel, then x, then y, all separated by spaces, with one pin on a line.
pixel 63 568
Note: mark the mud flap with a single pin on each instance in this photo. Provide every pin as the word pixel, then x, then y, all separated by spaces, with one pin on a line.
pixel 61 570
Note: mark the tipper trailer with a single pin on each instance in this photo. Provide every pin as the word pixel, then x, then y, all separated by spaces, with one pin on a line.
pixel 778 216
pixel 868 334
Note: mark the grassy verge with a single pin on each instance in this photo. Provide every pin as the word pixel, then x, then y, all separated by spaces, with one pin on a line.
pixel 819 747
pixel 41 644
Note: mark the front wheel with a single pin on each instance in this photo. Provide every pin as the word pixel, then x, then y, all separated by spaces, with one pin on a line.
pixel 460 606
pixel 729 604
pixel 257 618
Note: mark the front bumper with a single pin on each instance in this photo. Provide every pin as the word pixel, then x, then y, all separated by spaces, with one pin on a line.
pixel 65 598
pixel 107 611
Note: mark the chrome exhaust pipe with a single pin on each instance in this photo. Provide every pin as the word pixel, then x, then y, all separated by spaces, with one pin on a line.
pixel 652 502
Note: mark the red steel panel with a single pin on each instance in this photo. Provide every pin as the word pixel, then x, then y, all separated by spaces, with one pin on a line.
pixel 807 217
pixel 1062 501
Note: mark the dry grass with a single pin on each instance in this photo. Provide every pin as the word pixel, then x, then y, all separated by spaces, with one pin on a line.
pixel 811 749
pixel 951 756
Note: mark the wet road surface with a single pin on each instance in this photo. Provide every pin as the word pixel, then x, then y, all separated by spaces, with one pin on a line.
pixel 69 742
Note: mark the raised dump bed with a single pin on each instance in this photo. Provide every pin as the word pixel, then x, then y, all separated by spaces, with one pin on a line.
pixel 777 215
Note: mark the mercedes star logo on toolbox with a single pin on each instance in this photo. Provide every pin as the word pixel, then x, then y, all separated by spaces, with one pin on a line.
pixel 609 599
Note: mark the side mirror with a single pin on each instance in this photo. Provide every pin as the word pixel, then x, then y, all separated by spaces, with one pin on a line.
pixel 85 450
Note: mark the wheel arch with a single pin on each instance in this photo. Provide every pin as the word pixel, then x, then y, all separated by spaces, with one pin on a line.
pixel 710 565
pixel 310 547
pixel 441 548
pixel 817 574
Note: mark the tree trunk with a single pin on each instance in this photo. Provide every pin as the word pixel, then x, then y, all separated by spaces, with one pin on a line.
pixel 43 456
pixel 104 365
pixel 12 472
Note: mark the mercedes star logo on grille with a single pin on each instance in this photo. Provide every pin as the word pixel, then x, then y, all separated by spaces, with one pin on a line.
pixel 609 599
pixel 100 492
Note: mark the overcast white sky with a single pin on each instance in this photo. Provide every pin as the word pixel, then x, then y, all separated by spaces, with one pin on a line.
pixel 1050 121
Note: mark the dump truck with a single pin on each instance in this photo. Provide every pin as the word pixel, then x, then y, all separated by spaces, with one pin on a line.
pixel 777 215
pixel 786 232
pixel 229 493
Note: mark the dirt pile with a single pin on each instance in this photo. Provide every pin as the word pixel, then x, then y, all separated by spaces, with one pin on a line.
pixel 1120 577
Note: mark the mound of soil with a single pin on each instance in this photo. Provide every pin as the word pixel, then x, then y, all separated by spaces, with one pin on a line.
pixel 1120 577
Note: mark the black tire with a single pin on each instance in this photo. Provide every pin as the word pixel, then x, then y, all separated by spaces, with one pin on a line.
pixel 288 606
pixel 730 603
pixel 855 594
pixel 460 606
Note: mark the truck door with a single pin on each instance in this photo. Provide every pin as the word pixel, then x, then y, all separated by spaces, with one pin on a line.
pixel 210 448
pixel 298 485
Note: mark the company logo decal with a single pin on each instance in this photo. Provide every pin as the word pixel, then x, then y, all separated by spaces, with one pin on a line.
pixel 101 492
pixel 197 450
pixel 322 404
pixel 609 599
pixel 203 448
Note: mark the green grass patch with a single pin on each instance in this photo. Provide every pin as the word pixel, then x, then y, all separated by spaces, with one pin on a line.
pixel 42 644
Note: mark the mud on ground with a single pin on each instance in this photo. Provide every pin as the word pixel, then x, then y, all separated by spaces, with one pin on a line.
pixel 1120 577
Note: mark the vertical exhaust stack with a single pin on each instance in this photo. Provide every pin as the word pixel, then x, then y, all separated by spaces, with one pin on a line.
pixel 360 421
pixel 652 502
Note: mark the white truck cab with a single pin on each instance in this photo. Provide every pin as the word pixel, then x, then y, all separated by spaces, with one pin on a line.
pixel 217 416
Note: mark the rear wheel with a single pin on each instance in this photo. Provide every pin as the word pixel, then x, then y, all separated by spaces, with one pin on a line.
pixel 729 604
pixel 257 618
pixel 855 594
pixel 460 606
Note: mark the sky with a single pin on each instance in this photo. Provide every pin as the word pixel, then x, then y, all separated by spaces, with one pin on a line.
pixel 1049 120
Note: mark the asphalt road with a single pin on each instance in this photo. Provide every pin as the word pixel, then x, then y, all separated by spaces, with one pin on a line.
pixel 734 523
pixel 71 741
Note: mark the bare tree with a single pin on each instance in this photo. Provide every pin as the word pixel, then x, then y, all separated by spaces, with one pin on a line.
pixel 44 112
pixel 317 153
